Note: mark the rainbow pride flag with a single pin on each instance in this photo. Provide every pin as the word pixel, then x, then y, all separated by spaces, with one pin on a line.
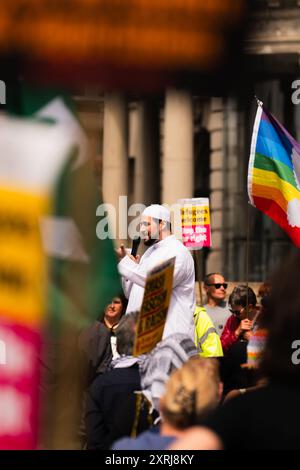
pixel 274 173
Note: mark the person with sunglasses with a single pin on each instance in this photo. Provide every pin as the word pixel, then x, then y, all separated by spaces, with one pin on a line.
pixel 216 305
pixel 235 337
pixel 242 301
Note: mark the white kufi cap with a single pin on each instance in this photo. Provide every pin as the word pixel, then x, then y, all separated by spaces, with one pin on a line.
pixel 158 212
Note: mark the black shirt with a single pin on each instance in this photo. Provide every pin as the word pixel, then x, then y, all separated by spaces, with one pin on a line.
pixel 266 418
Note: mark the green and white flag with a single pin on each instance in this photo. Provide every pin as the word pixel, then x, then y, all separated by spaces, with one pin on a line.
pixel 84 275
pixel 47 177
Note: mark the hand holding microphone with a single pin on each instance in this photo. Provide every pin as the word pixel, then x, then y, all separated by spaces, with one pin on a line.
pixel 135 245
pixel 121 252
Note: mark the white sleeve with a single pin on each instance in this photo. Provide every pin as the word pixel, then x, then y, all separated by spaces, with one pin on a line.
pixel 176 322
pixel 131 271
pixel 180 270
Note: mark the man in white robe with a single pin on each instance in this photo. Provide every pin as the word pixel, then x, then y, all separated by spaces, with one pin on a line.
pixel 162 245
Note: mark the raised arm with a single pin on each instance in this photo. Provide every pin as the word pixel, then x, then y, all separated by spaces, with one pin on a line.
pixel 130 270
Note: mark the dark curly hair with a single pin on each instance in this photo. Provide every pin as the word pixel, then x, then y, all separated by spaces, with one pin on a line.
pixel 241 294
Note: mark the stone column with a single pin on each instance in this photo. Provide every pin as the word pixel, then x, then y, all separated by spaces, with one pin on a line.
pixel 177 165
pixel 145 149
pixel 115 157
pixel 215 127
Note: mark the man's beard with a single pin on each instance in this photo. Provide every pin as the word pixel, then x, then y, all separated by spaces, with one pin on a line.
pixel 150 241
pixel 150 238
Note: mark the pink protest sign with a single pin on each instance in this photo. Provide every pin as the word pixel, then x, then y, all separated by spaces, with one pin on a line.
pixel 19 380
pixel 195 223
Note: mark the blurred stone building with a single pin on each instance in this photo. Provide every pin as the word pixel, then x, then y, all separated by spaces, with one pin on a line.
pixel 162 148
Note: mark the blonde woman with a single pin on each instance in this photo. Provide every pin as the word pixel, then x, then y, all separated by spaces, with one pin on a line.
pixel 191 393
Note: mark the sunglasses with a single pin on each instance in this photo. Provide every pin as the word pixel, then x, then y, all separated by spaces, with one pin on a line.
pixel 218 286
pixel 236 312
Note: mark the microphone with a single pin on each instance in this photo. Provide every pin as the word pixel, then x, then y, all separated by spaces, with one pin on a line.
pixel 135 244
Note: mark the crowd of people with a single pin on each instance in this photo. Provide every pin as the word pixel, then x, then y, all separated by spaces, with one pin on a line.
pixel 222 376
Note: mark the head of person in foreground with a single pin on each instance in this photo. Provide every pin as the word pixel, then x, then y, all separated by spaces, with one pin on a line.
pixel 192 393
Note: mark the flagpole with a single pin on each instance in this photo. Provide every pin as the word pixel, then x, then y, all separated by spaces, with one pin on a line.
pixel 259 103
pixel 247 254
pixel 199 273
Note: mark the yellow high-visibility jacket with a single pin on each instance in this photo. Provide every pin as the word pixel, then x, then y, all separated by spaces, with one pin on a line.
pixel 207 339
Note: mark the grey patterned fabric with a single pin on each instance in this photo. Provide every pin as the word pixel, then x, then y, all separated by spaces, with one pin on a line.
pixel 157 366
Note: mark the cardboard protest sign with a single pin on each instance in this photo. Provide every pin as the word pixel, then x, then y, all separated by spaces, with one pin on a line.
pixel 153 314
pixel 195 223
